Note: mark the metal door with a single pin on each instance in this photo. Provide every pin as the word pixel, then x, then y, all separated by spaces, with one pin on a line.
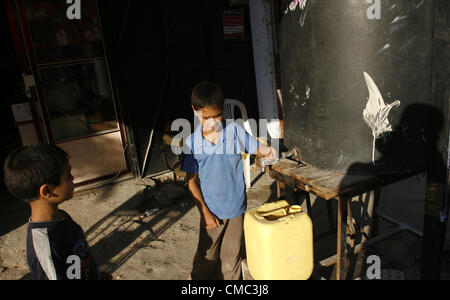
pixel 68 66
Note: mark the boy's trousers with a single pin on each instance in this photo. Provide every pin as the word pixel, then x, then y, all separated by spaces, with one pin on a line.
pixel 220 252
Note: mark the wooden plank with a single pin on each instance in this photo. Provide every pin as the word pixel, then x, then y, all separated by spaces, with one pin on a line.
pixel 326 177
pixel 284 165
pixel 345 181
pixel 325 184
pixel 307 175
pixel 302 171
pixel 331 184
pixel 311 175
pixel 296 184
pixel 346 185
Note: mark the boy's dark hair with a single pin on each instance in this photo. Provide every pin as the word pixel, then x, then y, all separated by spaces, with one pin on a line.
pixel 28 168
pixel 207 94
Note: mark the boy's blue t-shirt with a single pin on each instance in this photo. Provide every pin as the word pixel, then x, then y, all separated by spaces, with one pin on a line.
pixel 220 168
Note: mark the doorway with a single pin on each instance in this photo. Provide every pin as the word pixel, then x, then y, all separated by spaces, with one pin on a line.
pixel 162 49
pixel 69 85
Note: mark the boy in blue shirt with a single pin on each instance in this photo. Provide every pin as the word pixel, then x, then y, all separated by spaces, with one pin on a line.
pixel 214 165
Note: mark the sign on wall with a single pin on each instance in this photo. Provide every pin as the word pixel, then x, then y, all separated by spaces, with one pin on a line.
pixel 233 21
pixel 22 112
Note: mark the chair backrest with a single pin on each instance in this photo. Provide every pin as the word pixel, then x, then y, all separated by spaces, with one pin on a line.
pixel 229 108
pixel 228 113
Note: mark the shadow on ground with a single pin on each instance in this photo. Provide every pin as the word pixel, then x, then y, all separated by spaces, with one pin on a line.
pixel 13 213
pixel 121 234
pixel 400 254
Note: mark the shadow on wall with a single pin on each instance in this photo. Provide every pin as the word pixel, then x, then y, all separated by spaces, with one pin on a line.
pixel 411 146
pixel 410 149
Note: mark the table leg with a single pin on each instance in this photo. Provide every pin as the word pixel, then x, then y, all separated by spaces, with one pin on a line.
pixel 341 237
pixel 331 221
pixel 368 228
pixel 308 205
pixel 280 189
pixel 351 230
pixel 375 218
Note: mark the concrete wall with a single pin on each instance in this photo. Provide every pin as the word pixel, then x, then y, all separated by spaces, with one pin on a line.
pixel 263 52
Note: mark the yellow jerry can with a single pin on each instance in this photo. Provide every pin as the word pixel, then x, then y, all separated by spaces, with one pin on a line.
pixel 279 242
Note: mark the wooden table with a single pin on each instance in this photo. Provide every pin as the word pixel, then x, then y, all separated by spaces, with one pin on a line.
pixel 339 186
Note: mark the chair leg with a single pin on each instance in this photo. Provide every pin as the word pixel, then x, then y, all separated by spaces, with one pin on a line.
pixel 247 174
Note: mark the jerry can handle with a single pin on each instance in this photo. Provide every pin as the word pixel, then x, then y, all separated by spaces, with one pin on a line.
pixel 279 213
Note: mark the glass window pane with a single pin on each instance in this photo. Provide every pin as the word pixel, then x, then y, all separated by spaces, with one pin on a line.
pixel 55 37
pixel 79 100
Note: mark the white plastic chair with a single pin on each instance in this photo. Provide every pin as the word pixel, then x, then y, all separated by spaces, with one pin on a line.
pixel 228 114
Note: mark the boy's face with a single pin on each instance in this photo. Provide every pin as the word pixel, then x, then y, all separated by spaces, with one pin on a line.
pixel 62 192
pixel 211 118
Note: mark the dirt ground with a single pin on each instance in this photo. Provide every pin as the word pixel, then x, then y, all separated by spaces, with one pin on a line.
pixel 161 246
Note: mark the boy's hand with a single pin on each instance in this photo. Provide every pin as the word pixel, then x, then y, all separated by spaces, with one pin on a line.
pixel 209 220
pixel 268 152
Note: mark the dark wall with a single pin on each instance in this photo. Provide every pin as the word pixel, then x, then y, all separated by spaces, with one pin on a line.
pixel 325 50
pixel 437 203
pixel 160 50
pixel 11 88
